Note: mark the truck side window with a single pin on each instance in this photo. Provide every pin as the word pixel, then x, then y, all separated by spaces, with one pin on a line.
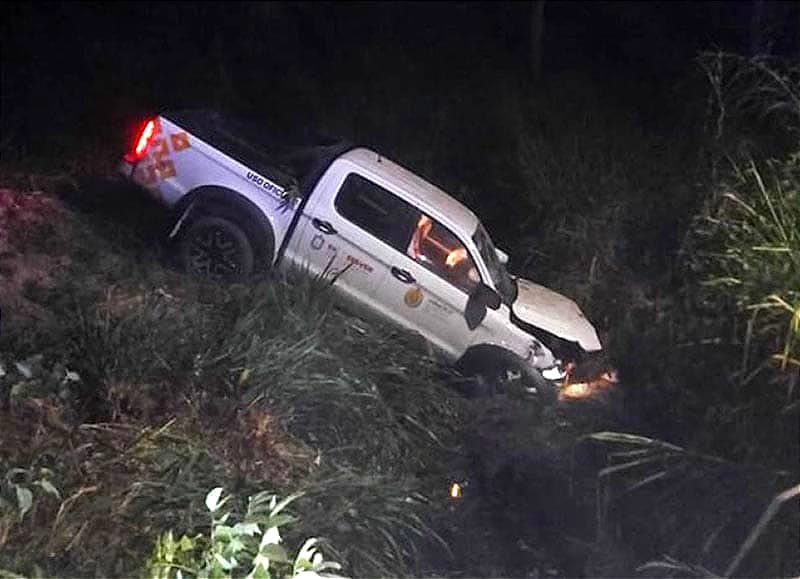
pixel 436 248
pixel 376 210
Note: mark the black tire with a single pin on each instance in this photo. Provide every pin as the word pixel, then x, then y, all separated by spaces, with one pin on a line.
pixel 494 372
pixel 217 248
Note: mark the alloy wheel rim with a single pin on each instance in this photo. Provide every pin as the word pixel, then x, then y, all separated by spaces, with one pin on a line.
pixel 215 253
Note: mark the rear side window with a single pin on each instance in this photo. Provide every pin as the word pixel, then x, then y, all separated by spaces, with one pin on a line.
pixel 377 211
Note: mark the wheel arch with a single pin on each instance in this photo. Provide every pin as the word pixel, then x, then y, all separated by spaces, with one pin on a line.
pixel 489 357
pixel 225 202
pixel 481 356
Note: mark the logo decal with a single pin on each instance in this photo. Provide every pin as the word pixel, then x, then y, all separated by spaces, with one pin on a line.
pixel 413 297
pixel 317 242
pixel 267 185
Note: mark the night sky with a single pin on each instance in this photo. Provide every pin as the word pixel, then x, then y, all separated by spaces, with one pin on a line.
pixel 83 68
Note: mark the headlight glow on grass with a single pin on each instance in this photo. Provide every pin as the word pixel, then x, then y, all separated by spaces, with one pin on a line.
pixel 585 388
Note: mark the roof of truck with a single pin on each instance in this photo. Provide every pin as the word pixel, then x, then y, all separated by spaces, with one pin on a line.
pixel 425 195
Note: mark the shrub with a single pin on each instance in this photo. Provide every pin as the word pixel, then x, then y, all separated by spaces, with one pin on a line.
pixel 748 253
pixel 235 550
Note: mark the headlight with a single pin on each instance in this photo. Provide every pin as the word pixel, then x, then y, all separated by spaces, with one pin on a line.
pixel 539 356
pixel 554 373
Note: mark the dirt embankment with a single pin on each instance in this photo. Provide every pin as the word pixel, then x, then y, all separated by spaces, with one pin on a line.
pixel 31 254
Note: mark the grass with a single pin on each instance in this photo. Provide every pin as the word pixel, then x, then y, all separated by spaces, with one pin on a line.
pixel 185 385
pixel 751 246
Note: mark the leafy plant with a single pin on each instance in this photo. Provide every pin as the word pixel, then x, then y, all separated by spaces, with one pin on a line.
pixel 748 250
pixel 235 550
pixel 21 481
pixel 18 491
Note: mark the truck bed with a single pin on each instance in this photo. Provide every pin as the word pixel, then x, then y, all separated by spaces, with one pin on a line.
pixel 294 164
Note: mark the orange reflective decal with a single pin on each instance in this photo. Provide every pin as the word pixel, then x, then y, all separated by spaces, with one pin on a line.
pixel 180 141
pixel 159 149
pixel 147 174
pixel 166 169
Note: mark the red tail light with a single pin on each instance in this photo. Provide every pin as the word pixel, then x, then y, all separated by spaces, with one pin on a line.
pixel 142 142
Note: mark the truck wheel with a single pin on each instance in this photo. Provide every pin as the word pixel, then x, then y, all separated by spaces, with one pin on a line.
pixel 519 380
pixel 216 248
pixel 495 372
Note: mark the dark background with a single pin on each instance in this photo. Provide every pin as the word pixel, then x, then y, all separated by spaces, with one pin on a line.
pixel 85 67
pixel 442 88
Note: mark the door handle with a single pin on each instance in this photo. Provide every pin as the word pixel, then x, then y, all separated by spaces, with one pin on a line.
pixel 323 226
pixel 402 275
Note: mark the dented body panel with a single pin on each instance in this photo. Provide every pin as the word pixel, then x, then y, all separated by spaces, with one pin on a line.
pixel 538 306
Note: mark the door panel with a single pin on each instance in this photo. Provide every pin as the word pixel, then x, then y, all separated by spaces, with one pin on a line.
pixel 432 297
pixel 347 235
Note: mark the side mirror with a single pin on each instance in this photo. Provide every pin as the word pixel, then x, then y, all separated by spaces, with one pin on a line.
pixel 502 256
pixel 487 296
pixel 482 297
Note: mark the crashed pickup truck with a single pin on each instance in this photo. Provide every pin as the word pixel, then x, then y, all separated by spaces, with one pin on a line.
pixel 398 247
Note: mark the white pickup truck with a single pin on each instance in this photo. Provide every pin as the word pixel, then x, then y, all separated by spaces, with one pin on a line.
pixel 399 247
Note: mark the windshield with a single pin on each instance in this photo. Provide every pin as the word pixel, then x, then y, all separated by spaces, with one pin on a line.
pixel 502 281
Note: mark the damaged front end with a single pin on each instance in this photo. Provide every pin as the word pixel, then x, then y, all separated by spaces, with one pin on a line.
pixel 577 365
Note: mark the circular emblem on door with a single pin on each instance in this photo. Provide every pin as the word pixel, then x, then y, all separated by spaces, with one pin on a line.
pixel 413 297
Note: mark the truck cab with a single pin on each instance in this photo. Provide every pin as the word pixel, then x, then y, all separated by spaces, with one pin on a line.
pixel 402 248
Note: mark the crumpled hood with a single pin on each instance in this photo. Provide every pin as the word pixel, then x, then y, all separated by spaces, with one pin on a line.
pixel 538 306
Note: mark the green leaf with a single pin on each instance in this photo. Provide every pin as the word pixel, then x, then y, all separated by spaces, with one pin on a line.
pixel 223 532
pixel 623 438
pixel 186 544
pixel 647 481
pixel 259 572
pixel 275 553
pixel 48 487
pixel 223 562
pixel 283 504
pixel 632 464
pixel 234 547
pixel 24 499
pixel 212 499
pixel 248 529
pixel 279 520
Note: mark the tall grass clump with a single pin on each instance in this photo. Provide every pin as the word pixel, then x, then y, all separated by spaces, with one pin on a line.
pixel 746 241
pixel 724 502
pixel 146 388
pixel 750 257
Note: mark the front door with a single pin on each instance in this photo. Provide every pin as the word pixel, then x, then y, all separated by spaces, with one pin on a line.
pixel 434 301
